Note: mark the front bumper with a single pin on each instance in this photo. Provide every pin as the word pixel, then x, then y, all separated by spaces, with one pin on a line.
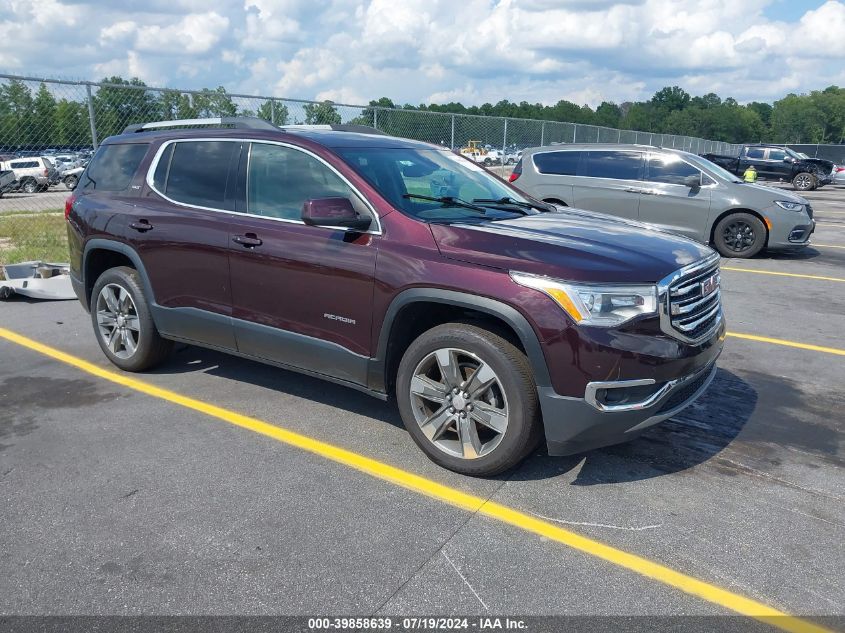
pixel 797 238
pixel 574 425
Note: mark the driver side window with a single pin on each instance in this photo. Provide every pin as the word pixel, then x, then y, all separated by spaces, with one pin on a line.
pixel 280 179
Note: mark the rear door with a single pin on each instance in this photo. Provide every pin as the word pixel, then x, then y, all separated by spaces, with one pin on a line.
pixel 181 232
pixel 302 295
pixel 777 165
pixel 668 203
pixel 610 182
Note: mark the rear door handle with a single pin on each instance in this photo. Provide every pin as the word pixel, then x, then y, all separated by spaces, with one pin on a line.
pixel 141 226
pixel 250 240
pixel 632 190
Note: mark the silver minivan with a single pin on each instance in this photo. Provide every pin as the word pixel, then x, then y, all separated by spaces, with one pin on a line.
pixel 671 189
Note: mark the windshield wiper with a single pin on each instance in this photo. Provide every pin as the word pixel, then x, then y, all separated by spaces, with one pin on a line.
pixel 514 203
pixel 449 201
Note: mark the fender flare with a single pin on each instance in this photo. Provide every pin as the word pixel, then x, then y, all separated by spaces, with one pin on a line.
pixel 520 325
pixel 99 243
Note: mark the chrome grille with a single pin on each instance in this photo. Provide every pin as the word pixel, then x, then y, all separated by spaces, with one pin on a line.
pixel 690 301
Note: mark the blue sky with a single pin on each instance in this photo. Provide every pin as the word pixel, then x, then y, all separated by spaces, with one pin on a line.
pixel 420 51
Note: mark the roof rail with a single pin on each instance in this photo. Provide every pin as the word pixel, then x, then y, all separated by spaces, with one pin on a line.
pixel 242 122
pixel 336 127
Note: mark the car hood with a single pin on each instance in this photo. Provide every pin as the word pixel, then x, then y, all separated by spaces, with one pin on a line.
pixel 571 244
pixel 760 195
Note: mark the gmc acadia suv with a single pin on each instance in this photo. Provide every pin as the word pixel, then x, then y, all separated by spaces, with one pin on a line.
pixel 397 268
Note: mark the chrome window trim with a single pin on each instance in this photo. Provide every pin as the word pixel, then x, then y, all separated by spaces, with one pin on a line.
pixel 154 165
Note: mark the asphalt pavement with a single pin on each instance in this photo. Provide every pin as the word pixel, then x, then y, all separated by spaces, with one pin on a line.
pixel 116 501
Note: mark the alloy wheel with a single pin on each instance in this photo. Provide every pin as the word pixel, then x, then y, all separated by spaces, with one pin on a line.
pixel 117 321
pixel 459 403
pixel 803 182
pixel 739 236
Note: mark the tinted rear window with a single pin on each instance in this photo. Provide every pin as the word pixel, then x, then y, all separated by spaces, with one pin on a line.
pixel 618 165
pixel 196 172
pixel 113 166
pixel 754 152
pixel 558 163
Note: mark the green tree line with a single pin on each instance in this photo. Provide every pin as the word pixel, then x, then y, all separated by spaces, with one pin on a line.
pixel 42 120
pixel 817 117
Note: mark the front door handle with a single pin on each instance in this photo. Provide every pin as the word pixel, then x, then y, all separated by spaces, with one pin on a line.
pixel 249 240
pixel 633 190
pixel 141 226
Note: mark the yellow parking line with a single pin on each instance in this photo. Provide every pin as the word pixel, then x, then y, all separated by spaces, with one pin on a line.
pixel 825 245
pixel 643 566
pixel 785 343
pixel 771 272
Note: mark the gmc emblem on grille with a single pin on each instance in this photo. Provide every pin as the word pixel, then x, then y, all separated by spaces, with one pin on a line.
pixel 709 285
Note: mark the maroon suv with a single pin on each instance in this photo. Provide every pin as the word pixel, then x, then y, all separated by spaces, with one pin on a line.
pixel 397 268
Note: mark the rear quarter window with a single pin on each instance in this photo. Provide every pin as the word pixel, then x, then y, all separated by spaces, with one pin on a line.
pixel 557 163
pixel 113 167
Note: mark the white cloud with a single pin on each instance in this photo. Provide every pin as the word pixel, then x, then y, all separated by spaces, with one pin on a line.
pixel 413 51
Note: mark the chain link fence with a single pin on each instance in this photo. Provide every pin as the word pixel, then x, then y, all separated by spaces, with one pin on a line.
pixel 50 128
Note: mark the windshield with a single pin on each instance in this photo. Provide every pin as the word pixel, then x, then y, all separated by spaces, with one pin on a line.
pixel 794 154
pixel 712 167
pixel 397 172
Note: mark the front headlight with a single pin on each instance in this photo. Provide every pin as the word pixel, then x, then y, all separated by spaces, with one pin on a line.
pixel 789 206
pixel 598 305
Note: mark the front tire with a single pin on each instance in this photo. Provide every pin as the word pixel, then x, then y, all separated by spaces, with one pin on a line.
pixel 805 181
pixel 123 323
pixel 467 397
pixel 71 182
pixel 739 235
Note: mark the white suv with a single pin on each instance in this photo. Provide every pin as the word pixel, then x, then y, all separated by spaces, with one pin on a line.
pixel 33 173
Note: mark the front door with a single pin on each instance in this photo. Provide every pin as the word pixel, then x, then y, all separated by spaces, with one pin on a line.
pixel 669 203
pixel 302 295
pixel 609 182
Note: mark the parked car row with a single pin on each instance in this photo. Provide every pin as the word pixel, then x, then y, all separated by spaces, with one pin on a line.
pixel 33 172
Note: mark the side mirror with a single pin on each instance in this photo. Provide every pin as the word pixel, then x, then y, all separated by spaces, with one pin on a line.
pixel 335 213
pixel 693 182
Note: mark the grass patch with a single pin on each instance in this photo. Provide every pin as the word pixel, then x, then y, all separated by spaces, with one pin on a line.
pixel 33 236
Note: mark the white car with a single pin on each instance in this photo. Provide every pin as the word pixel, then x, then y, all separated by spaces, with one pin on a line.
pixel 33 173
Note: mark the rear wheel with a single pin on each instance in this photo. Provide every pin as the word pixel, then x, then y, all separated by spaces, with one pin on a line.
pixel 468 399
pixel 805 181
pixel 739 235
pixel 122 321
pixel 30 186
